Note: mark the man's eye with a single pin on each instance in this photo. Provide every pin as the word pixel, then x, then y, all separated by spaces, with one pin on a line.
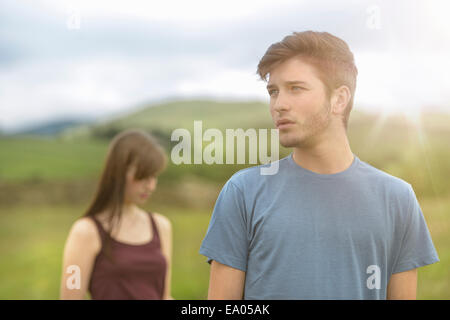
pixel 271 92
pixel 296 88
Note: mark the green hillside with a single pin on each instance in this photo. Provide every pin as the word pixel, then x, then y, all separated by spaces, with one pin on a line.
pixel 395 144
pixel 162 119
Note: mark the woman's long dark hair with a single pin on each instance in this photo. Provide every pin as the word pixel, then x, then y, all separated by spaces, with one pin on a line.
pixel 130 147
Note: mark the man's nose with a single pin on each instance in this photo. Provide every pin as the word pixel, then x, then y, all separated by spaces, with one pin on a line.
pixel 280 104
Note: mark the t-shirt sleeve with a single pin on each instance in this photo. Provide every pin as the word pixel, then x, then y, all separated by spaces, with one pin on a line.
pixel 226 239
pixel 416 249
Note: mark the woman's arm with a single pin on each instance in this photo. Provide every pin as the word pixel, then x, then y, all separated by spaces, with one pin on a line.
pixel 82 246
pixel 165 231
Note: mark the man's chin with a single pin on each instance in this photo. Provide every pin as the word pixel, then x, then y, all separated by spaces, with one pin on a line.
pixel 289 142
pixel 295 141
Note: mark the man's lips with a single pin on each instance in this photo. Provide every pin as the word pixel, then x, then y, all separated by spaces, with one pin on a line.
pixel 284 123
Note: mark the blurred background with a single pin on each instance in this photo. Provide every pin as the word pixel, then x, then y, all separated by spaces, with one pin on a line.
pixel 75 73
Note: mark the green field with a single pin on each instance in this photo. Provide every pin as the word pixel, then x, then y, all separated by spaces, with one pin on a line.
pixel 47 183
pixel 33 241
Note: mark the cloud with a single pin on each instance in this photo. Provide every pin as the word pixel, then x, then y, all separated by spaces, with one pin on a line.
pixel 126 53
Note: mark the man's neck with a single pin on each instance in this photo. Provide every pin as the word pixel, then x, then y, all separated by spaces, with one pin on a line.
pixel 332 155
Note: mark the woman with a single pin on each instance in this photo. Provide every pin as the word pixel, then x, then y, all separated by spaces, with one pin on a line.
pixel 118 250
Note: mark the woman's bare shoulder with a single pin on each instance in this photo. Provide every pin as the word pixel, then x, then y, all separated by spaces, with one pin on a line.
pixel 83 241
pixel 84 226
pixel 162 221
pixel 85 230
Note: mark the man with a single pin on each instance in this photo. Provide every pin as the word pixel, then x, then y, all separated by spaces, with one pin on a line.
pixel 327 225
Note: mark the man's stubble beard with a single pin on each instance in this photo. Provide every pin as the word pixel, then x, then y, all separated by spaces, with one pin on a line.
pixel 306 134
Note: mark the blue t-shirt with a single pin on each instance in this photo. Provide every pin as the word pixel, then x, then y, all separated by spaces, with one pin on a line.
pixel 303 235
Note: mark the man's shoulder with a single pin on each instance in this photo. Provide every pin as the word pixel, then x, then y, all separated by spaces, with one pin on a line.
pixel 384 180
pixel 256 175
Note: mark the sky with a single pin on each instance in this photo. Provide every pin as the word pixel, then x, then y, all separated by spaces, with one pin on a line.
pixel 89 59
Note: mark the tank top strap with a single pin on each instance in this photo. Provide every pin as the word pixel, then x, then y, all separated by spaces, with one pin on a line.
pixel 155 230
pixel 102 232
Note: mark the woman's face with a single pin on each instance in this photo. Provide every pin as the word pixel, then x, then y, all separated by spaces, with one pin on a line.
pixel 138 191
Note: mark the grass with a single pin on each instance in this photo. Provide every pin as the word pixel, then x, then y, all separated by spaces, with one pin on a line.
pixel 434 280
pixel 37 159
pixel 32 242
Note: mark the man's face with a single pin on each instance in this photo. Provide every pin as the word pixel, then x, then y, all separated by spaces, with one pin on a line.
pixel 299 105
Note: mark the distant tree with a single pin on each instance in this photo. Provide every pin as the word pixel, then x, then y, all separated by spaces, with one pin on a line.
pixel 105 132
pixel 162 137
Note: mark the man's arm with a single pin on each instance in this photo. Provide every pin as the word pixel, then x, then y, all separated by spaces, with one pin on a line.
pixel 402 285
pixel 225 283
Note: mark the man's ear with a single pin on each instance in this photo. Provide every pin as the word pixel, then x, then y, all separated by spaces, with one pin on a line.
pixel 340 98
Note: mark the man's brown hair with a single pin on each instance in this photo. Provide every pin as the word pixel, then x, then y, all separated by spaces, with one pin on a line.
pixel 329 54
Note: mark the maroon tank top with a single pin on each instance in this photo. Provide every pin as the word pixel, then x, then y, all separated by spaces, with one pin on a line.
pixel 137 272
